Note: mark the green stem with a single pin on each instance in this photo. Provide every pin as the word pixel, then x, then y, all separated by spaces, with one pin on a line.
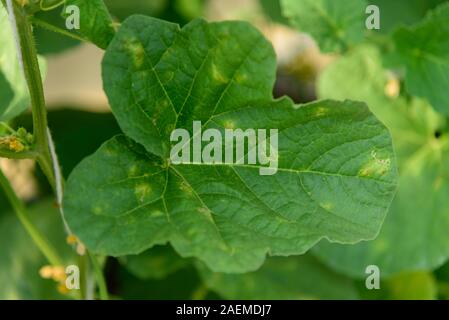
pixel 34 81
pixel 28 58
pixel 39 239
pixel 102 287
pixel 56 29
pixel 18 155
pixel 43 8
pixel 83 266
pixel 7 127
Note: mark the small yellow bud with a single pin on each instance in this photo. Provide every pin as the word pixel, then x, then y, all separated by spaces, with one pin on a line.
pixel 72 239
pixel 62 288
pixel 81 249
pixel 393 88
pixel 12 143
pixel 16 145
pixel 59 274
pixel 23 3
pixel 46 272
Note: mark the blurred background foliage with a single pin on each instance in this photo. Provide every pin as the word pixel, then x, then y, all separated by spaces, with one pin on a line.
pixel 81 121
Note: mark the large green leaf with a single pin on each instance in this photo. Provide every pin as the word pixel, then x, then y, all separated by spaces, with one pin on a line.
pixel 11 106
pixel 20 259
pixel 424 49
pixel 284 279
pixel 414 235
pixel 335 24
pixel 336 172
pixel 95 21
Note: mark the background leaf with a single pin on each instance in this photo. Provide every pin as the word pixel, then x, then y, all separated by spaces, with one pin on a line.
pixel 402 12
pixel 20 266
pixel 414 235
pixel 424 50
pixel 282 279
pixel 6 93
pixel 334 24
pixel 10 69
pixel 419 285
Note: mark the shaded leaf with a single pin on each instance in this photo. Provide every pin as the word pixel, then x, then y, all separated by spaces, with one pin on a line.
pixel 155 263
pixel 181 285
pixel 95 21
pixel 49 42
pixel 284 279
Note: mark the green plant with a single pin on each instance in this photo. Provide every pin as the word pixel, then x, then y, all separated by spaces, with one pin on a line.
pixel 336 172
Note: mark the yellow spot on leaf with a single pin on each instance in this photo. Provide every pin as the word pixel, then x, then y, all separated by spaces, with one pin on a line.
pixel 375 167
pixel 142 191
pixel 133 170
pixel 138 53
pixel 229 124
pixel 320 111
pixel 97 210
pixel 156 214
pixel 217 75
pixel 241 77
pixel 327 206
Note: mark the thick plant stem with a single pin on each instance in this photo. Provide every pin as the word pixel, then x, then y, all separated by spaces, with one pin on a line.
pixel 19 208
pixel 28 56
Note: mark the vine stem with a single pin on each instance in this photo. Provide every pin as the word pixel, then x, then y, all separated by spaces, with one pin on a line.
pixel 44 150
pixel 102 287
pixel 55 29
pixel 18 155
pixel 19 208
pixel 27 55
